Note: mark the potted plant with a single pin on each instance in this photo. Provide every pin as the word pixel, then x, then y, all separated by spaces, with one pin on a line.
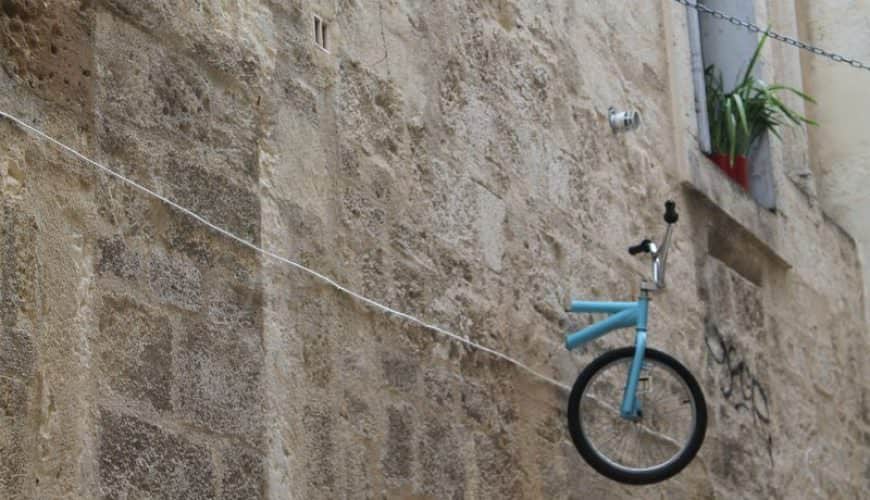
pixel 740 117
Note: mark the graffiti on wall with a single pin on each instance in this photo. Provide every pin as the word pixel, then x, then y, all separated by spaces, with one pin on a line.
pixel 739 385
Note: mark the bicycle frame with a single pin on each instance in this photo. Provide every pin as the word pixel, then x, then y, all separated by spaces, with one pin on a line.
pixel 621 315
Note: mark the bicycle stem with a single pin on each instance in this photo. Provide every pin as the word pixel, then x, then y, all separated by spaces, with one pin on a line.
pixel 660 258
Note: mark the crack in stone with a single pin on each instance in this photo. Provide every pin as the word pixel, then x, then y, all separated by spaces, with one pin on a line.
pixel 383 39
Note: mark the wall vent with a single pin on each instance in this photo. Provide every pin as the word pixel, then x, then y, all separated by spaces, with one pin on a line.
pixel 320 33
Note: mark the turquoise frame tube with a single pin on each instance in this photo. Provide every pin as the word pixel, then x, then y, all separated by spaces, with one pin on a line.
pixel 621 315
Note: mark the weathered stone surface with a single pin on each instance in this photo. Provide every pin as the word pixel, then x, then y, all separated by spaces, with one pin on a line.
pixel 400 372
pixel 18 350
pixel 133 349
pixel 13 397
pixel 216 375
pixel 15 462
pixel 397 461
pixel 174 280
pixel 236 37
pixel 215 198
pixel 441 474
pixel 49 48
pixel 117 260
pixel 139 459
pixel 243 475
pixel 449 159
pixel 161 91
pixel 17 356
pixel 320 448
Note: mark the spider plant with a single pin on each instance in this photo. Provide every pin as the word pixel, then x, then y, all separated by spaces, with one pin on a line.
pixel 740 117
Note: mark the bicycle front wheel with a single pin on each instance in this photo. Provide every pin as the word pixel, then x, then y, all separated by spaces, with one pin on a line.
pixel 661 441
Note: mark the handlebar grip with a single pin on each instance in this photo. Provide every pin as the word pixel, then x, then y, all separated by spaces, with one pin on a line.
pixel 643 246
pixel 671 215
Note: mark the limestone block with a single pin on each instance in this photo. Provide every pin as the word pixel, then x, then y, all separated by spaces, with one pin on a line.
pixel 15 461
pixel 116 259
pixel 233 304
pixel 242 475
pixel 13 398
pixel 441 387
pixel 441 474
pixel 321 450
pixel 401 372
pixel 397 460
pixel 178 276
pixel 18 349
pixel 451 159
pixel 489 224
pixel 236 208
pixel 137 458
pixel 174 280
pixel 49 47
pixel 133 349
pixel 369 110
pixel 495 461
pixel 156 89
pixel 216 378
pixel 235 37
pixel 318 353
pixel 17 353
pixel 293 159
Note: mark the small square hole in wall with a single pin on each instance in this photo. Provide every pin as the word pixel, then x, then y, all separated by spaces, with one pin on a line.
pixel 320 34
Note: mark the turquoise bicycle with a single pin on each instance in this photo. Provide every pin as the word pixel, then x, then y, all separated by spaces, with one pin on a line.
pixel 654 427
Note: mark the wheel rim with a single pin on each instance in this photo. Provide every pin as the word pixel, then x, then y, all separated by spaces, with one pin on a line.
pixel 662 433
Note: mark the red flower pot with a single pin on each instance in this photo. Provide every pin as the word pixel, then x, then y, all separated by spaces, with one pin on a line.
pixel 722 162
pixel 738 171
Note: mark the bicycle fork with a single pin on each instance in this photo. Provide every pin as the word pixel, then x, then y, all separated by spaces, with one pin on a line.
pixel 631 407
pixel 622 315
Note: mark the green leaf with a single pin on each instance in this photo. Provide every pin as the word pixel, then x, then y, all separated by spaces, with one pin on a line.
pixel 739 117
pixel 741 113
pixel 791 115
pixel 793 90
pixel 747 75
pixel 731 125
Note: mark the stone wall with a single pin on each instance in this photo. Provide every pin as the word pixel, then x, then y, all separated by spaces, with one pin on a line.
pixel 840 153
pixel 450 159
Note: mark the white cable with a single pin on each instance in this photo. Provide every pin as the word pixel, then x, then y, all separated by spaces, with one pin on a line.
pixel 325 279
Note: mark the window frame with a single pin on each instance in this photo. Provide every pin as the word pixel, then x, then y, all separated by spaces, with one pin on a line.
pixel 761 186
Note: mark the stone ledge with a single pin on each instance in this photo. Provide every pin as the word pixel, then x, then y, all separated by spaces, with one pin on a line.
pixel 763 225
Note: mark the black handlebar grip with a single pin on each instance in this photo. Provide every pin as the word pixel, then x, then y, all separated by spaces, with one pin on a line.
pixel 643 246
pixel 671 215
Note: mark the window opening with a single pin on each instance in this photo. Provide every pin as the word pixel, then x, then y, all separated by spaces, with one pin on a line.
pixel 729 49
pixel 320 33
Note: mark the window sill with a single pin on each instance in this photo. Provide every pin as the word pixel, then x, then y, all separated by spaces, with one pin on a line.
pixel 764 226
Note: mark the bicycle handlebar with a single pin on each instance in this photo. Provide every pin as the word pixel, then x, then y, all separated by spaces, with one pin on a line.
pixel 659 254
pixel 643 246
pixel 671 215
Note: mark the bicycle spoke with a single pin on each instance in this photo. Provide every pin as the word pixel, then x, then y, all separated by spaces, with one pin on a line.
pixel 671 410
pixel 610 438
pixel 659 446
pixel 621 442
pixel 664 428
pixel 678 399
pixel 638 444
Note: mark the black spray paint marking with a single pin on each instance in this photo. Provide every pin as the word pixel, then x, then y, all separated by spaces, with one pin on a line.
pixel 747 391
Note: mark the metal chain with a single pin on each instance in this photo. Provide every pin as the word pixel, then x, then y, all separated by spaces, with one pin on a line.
pixel 772 34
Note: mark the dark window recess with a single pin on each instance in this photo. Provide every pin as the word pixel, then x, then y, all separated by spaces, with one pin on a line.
pixel 729 48
pixel 320 33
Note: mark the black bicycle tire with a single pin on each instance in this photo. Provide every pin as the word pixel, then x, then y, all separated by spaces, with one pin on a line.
pixel 624 476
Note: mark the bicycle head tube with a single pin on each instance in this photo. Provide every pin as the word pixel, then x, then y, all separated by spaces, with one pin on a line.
pixel 659 254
